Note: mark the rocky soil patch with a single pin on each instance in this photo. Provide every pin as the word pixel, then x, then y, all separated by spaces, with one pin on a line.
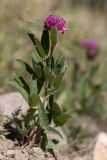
pixel 10 151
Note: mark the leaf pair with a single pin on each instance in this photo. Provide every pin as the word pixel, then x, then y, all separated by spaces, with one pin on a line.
pixel 59 117
pixel 43 46
pixel 45 41
pixel 37 45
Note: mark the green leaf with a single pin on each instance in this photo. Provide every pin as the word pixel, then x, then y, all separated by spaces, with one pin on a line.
pixel 23 92
pixel 22 86
pixel 38 70
pixel 59 64
pixel 34 99
pixel 44 142
pixel 94 69
pixel 62 119
pixel 21 82
pixel 49 108
pixel 45 41
pixel 30 115
pixel 33 87
pixel 56 110
pixel 39 48
pixel 53 130
pixel 25 66
pixel 36 58
pixel 43 119
pixel 37 45
pixel 32 37
pixel 53 36
pixel 58 80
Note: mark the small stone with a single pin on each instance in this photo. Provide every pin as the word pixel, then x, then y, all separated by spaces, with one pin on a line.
pixel 37 152
pixel 11 153
pixel 20 156
pixel 100 150
pixel 1 157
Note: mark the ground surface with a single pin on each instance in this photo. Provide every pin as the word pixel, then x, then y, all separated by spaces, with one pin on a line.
pixel 10 151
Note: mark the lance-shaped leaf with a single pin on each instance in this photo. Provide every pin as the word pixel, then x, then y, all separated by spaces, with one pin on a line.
pixel 32 37
pixel 58 80
pixel 22 86
pixel 45 41
pixel 39 48
pixel 49 108
pixel 38 70
pixel 26 66
pixel 34 99
pixel 53 36
pixel 62 119
pixel 44 142
pixel 53 130
pixel 19 79
pixel 43 119
pixel 94 69
pixel 56 110
pixel 23 92
pixel 37 45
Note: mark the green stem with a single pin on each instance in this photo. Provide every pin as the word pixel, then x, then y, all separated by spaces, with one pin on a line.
pixel 51 57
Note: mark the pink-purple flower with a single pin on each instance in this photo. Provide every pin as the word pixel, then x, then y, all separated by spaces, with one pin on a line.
pixel 55 21
pixel 89 43
pixel 92 48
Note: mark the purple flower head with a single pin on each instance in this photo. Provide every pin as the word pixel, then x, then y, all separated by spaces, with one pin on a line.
pixel 59 23
pixel 89 44
pixel 92 48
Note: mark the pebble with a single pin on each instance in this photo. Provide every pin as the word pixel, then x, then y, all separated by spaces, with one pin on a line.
pixel 1 157
pixel 11 153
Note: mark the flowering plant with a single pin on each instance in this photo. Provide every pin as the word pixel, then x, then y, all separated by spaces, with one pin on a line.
pixel 87 88
pixel 46 75
pixel 92 48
